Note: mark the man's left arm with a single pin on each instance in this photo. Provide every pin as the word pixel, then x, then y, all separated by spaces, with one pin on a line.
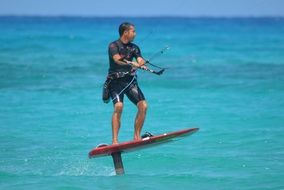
pixel 140 62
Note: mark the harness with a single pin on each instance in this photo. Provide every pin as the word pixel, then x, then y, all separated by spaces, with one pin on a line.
pixel 117 75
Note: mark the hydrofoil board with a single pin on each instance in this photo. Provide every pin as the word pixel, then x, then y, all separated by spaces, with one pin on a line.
pixel 115 150
pixel 106 150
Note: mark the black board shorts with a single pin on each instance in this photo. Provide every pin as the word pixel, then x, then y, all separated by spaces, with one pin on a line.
pixel 126 85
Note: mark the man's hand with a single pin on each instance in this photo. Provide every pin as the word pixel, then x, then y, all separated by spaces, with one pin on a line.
pixel 132 63
pixel 144 67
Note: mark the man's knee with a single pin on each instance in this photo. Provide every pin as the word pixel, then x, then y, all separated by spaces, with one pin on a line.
pixel 118 107
pixel 142 106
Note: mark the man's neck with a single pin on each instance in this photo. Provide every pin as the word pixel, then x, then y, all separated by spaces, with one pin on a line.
pixel 124 40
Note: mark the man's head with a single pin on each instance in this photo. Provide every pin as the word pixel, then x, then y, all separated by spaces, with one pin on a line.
pixel 127 31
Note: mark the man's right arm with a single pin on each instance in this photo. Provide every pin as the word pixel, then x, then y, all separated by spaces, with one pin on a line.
pixel 119 60
pixel 114 54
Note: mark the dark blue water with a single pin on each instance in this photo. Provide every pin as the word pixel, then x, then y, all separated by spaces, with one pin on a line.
pixel 226 76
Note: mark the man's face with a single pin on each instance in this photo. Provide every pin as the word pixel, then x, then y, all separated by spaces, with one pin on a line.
pixel 131 33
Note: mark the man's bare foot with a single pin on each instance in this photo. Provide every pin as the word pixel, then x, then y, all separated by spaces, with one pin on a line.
pixel 137 138
pixel 114 142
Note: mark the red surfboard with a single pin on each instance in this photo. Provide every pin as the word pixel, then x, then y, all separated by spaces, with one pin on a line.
pixel 139 144
pixel 116 150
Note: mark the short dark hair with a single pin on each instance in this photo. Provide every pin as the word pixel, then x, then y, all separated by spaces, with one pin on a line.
pixel 123 27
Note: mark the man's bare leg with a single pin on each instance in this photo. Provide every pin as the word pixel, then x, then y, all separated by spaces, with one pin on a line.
pixel 140 118
pixel 116 121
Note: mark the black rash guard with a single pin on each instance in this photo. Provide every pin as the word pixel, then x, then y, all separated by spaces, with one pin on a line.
pixel 126 51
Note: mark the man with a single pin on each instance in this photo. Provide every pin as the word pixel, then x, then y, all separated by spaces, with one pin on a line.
pixel 123 81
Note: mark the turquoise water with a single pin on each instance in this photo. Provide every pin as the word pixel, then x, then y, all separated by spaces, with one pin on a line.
pixel 225 76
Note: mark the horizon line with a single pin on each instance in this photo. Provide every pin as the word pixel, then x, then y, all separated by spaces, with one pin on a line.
pixel 140 16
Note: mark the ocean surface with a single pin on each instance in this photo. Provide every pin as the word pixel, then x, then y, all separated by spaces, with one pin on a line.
pixel 225 76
